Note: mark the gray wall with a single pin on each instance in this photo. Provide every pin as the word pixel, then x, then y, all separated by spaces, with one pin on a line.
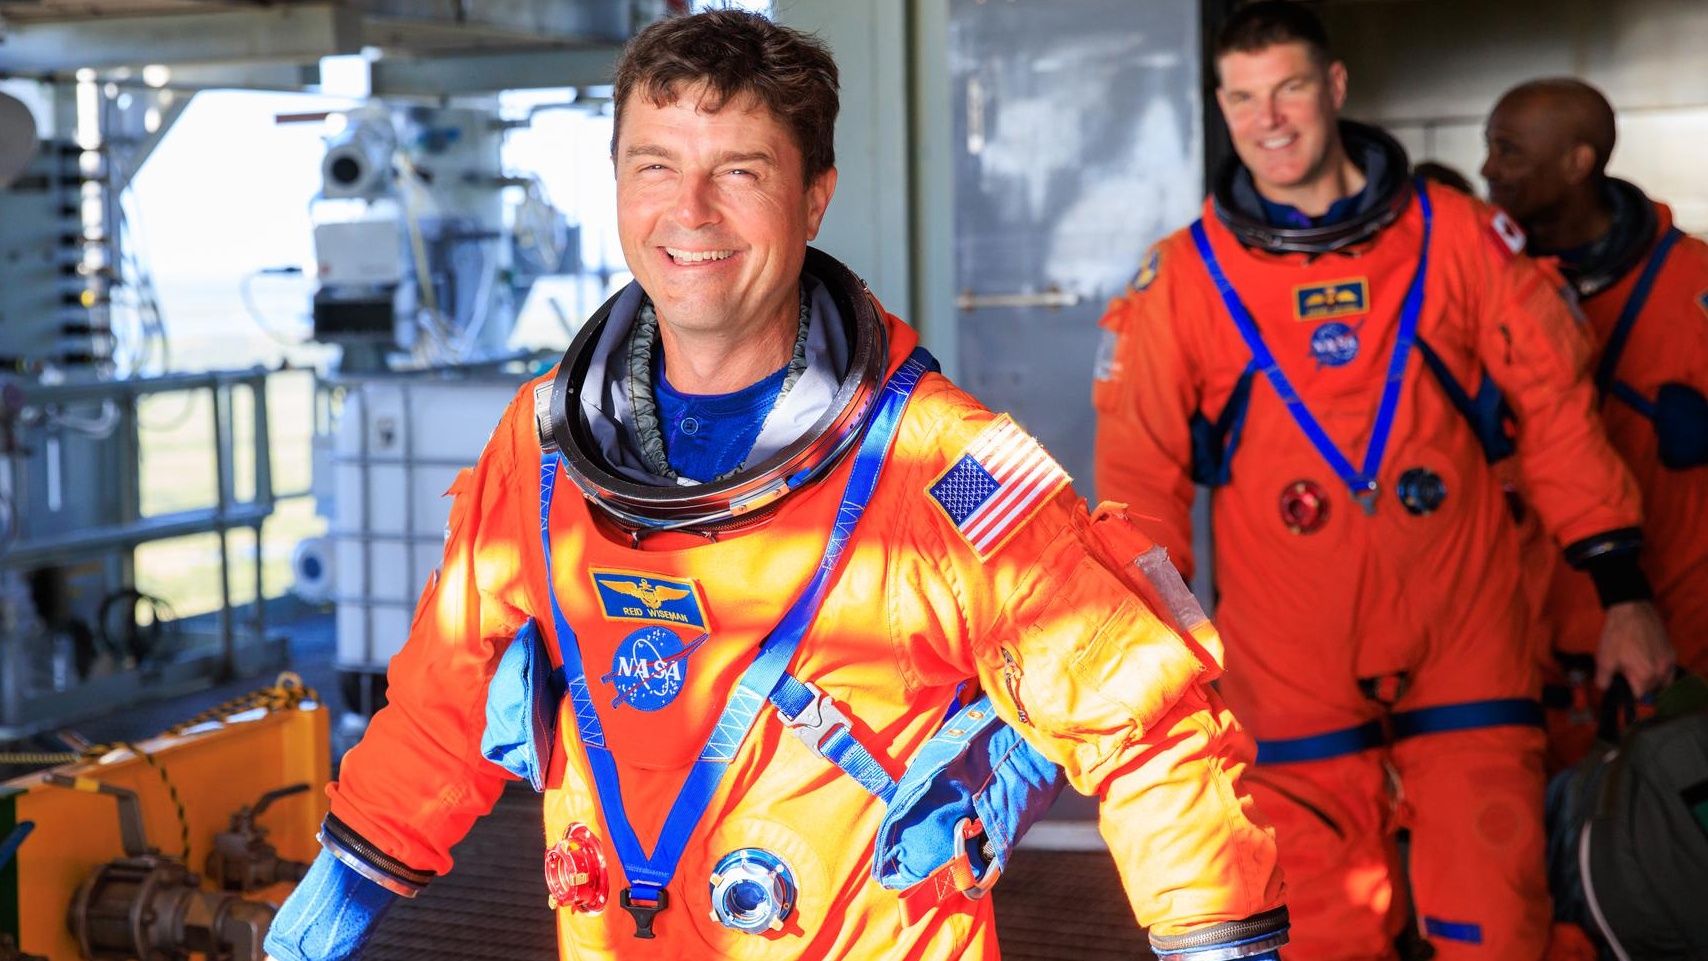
pixel 1430 70
pixel 891 219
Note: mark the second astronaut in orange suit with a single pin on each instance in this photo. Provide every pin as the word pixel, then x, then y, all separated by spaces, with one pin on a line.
pixel 1328 348
pixel 1643 285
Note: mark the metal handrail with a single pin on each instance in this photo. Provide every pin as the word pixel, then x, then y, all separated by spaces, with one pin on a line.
pixel 133 529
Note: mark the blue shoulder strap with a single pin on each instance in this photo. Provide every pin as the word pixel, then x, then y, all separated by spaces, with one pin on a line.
pixel 1634 304
pixel 648 875
pixel 1362 483
pixel 1214 442
pixel 1486 413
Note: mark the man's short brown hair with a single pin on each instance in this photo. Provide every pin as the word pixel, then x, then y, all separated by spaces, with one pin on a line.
pixel 736 53
pixel 1266 23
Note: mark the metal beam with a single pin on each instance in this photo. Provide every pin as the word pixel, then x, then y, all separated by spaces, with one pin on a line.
pixel 244 76
pixel 295 32
pixel 446 76
pixel 534 21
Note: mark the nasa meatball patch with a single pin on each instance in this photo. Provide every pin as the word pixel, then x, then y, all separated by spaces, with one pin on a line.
pixel 649 668
pixel 1334 344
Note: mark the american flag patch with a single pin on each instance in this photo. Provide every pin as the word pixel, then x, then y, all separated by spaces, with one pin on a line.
pixel 996 485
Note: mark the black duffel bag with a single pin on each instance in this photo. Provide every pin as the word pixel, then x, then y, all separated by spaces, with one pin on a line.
pixel 1628 829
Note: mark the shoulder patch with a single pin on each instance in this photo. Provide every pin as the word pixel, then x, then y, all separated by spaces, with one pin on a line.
pixel 1147 270
pixel 1507 233
pixel 1108 345
pixel 997 484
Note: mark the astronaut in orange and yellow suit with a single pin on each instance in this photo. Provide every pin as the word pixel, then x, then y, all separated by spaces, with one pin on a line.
pixel 696 483
pixel 1365 564
pixel 1548 147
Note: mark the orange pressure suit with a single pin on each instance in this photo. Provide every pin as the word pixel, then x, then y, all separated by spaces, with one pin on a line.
pixel 1667 344
pixel 1339 621
pixel 1045 620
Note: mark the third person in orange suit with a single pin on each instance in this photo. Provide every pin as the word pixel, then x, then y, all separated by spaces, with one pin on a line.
pixel 1336 351
pixel 1643 285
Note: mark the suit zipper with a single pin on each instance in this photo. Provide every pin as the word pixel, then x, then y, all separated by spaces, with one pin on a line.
pixel 1011 679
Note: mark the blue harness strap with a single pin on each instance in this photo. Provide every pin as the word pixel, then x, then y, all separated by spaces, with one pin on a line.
pixel 1361 482
pixel 1610 356
pixel 1446 718
pixel 815 719
pixel 1487 413
pixel 1442 719
pixel 1214 442
pixel 649 875
pixel 1465 932
pixel 1321 747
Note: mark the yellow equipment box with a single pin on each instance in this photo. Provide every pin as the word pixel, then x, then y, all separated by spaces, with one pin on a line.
pixel 189 784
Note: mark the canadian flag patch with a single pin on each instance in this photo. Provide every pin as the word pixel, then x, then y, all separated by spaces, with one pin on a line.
pixel 1507 231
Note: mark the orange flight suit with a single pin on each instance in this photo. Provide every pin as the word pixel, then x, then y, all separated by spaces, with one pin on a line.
pixel 1048 621
pixel 1668 343
pixel 1372 597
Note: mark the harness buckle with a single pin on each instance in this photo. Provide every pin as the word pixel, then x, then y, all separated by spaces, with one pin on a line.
pixel 1367 495
pixel 818 721
pixel 644 911
pixel 976 887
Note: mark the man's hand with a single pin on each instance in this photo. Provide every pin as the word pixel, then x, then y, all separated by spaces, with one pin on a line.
pixel 1634 643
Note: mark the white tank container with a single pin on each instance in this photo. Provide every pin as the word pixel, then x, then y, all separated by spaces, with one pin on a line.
pixel 399 442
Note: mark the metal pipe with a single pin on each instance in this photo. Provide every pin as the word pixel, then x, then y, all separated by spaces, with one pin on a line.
pixel 1052 298
pixel 263 495
pixel 223 495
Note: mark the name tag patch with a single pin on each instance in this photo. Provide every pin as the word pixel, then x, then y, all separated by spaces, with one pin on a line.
pixel 1337 298
pixel 633 596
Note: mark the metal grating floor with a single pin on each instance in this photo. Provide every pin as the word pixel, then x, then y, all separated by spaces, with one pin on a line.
pixel 1051 905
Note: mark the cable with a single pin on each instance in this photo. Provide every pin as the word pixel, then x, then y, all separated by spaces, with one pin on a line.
pixel 171 791
pixel 139 644
pixel 99 427
pixel 536 225
pixel 177 420
pixel 287 693
pixel 255 312
pixel 8 523
pixel 482 302
pixel 128 236
pixel 417 244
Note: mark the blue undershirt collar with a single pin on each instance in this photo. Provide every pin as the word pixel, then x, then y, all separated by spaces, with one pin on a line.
pixel 1286 215
pixel 709 435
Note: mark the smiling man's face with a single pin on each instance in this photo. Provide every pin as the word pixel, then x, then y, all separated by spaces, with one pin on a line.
pixel 1281 108
pixel 714 212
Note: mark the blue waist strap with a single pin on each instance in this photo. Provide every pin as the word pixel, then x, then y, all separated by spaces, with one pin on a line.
pixel 1447 718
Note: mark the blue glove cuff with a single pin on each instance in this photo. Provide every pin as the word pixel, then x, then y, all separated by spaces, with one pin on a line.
pixel 329 916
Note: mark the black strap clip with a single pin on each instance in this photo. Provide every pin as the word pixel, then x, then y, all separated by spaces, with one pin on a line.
pixel 644 911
